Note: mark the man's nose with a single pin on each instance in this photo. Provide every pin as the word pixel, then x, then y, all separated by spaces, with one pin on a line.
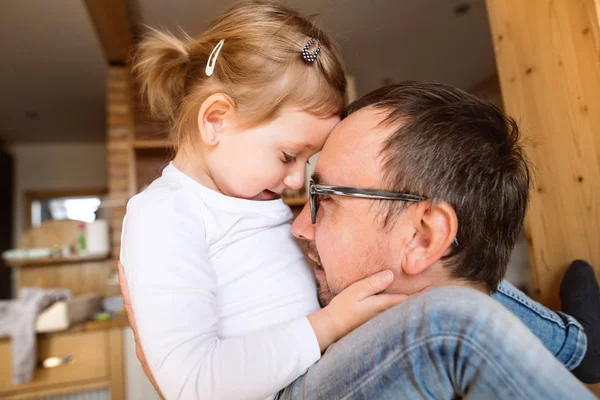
pixel 302 228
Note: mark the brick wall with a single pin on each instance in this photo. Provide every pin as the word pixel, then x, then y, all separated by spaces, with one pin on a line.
pixel 130 169
pixel 120 154
pixel 149 164
pixel 145 126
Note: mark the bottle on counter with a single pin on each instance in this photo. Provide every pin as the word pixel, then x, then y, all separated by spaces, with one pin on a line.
pixel 81 242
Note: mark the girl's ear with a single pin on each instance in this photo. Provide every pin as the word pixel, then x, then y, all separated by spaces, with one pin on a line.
pixel 212 117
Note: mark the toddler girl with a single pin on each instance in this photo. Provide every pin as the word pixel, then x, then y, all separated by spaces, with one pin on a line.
pixel 224 302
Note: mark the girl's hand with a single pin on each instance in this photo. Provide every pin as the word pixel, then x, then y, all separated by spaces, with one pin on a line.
pixel 354 306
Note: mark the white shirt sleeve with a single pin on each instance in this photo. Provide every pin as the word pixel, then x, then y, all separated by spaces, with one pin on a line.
pixel 173 294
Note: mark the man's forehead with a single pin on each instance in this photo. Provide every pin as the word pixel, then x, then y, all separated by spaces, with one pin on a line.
pixel 350 156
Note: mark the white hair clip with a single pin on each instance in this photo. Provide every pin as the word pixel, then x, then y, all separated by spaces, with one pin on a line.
pixel 212 59
pixel 307 55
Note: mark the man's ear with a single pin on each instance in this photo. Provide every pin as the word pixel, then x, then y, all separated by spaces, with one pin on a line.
pixel 435 228
pixel 215 110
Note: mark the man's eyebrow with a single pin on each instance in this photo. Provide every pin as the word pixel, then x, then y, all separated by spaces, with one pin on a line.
pixel 316 177
pixel 319 180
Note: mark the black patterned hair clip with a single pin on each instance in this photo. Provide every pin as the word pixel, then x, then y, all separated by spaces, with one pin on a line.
pixel 307 55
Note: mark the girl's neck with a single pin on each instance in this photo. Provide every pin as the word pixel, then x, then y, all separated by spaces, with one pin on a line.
pixel 190 162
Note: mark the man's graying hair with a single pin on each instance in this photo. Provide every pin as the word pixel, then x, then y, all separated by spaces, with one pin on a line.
pixel 452 146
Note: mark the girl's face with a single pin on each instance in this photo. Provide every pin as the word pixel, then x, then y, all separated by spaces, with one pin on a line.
pixel 261 162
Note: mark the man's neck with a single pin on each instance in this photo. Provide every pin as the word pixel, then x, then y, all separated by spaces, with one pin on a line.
pixel 435 276
pixel 459 282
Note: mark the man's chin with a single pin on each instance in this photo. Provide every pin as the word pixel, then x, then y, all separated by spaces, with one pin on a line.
pixel 324 295
pixel 323 302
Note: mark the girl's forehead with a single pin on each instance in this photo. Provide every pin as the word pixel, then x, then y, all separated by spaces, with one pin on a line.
pixel 304 130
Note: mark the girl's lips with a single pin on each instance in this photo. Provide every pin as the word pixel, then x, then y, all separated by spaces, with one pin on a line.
pixel 269 195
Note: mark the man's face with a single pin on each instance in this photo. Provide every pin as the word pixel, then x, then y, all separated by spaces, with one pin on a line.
pixel 348 241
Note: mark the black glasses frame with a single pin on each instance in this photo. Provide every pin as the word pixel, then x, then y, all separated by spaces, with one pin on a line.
pixel 316 189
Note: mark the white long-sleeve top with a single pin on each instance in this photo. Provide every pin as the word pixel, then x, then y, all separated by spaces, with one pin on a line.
pixel 219 289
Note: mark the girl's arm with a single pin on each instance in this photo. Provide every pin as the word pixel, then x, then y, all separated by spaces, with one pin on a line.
pixel 173 295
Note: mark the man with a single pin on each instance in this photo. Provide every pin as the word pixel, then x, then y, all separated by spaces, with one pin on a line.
pixel 431 183
pixel 460 181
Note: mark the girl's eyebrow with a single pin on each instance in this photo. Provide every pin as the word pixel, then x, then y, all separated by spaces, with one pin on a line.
pixel 302 145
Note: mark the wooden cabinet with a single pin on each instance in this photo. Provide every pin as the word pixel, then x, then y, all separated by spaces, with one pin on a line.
pixel 72 358
pixel 89 356
pixel 81 359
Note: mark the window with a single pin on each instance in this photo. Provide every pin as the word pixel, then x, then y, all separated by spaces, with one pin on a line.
pixel 78 208
pixel 76 204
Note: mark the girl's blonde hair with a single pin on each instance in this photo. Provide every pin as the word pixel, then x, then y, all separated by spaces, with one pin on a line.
pixel 260 68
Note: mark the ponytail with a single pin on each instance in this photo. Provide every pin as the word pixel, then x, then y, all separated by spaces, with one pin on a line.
pixel 161 65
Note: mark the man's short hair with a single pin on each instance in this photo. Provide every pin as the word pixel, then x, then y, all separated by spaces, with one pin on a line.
pixel 450 145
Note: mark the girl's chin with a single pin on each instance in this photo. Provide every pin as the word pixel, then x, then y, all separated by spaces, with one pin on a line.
pixel 265 195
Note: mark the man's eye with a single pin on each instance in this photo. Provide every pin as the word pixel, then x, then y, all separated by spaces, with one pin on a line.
pixel 288 158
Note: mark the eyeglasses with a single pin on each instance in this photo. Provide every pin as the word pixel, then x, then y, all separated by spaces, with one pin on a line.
pixel 315 190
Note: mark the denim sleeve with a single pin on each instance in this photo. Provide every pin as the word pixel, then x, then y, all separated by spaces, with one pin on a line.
pixel 559 332
pixel 446 343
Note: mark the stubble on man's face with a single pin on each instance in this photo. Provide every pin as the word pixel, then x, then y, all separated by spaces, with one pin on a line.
pixel 368 263
pixel 324 293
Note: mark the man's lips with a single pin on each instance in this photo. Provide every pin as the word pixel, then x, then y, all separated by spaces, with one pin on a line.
pixel 319 272
pixel 313 255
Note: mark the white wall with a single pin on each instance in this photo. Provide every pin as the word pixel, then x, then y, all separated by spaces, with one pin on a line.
pixel 55 166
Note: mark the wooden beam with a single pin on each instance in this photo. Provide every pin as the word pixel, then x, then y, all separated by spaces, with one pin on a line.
pixel 112 25
pixel 548 56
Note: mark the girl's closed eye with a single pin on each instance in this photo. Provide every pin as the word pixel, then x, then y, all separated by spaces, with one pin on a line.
pixel 287 158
